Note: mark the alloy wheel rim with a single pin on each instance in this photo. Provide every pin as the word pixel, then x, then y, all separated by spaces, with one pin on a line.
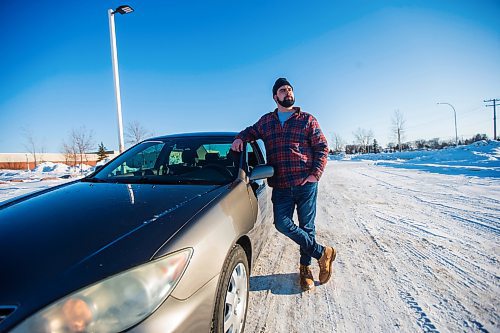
pixel 236 300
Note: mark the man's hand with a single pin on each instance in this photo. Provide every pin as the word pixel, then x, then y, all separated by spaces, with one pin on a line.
pixel 237 145
pixel 309 179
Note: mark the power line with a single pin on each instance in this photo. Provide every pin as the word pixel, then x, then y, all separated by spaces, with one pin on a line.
pixel 494 105
pixel 470 111
pixel 429 121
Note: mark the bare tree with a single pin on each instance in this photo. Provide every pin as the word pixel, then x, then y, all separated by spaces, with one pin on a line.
pixel 43 152
pixel 338 143
pixel 70 153
pixel 135 133
pixel 363 138
pixel 398 127
pixel 31 144
pixel 81 141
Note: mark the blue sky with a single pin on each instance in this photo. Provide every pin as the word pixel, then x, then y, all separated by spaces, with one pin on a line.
pixel 210 65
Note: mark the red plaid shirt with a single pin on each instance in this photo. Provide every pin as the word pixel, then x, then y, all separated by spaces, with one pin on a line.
pixel 295 150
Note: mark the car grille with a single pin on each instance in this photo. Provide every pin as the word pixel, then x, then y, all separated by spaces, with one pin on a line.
pixel 5 311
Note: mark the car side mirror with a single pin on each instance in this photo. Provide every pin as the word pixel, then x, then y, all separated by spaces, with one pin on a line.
pixel 261 172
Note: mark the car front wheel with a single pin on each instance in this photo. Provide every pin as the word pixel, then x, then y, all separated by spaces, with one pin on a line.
pixel 232 295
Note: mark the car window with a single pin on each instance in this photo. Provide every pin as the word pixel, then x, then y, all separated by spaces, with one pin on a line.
pixel 175 157
pixel 140 162
pixel 218 151
pixel 261 151
pixel 252 160
pixel 184 160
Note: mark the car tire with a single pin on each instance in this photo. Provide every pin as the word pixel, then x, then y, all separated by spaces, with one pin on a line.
pixel 232 295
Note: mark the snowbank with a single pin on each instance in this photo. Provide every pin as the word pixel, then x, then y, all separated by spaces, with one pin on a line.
pixel 49 167
pixel 45 170
pixel 481 159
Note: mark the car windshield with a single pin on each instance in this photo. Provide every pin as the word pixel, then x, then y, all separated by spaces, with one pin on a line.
pixel 182 160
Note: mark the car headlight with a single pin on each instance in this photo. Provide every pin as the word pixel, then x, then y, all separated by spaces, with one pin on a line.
pixel 114 304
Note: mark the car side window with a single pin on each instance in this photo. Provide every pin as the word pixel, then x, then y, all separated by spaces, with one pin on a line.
pixel 175 157
pixel 261 151
pixel 254 158
pixel 251 158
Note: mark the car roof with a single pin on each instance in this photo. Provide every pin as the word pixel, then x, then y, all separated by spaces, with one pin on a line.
pixel 195 134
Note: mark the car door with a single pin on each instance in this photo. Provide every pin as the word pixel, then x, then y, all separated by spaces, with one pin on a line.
pixel 260 196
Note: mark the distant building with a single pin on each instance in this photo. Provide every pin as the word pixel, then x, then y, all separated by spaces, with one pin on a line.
pixel 25 161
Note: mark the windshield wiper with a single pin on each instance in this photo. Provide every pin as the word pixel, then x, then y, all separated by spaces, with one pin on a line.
pixel 198 182
pixel 94 180
pixel 154 181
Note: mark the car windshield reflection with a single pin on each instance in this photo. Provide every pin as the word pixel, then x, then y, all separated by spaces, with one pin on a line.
pixel 181 161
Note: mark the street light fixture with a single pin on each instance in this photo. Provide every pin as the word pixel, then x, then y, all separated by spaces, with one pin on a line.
pixel 456 134
pixel 125 9
pixel 114 58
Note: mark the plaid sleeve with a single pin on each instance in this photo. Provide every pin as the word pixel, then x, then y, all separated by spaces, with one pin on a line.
pixel 320 149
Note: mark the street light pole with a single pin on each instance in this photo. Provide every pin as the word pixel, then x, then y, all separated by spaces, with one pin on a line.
pixel 455 113
pixel 116 76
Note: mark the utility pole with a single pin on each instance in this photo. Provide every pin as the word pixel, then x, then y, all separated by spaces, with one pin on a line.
pixel 494 105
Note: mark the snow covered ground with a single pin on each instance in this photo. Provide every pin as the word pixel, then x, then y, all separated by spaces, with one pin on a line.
pixel 418 240
pixel 14 183
pixel 418 245
pixel 417 252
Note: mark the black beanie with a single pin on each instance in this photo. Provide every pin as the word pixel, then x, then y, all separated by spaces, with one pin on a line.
pixel 279 83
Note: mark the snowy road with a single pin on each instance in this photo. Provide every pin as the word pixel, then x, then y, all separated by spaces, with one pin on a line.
pixel 418 252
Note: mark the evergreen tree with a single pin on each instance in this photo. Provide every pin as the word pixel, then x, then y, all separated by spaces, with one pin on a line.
pixel 376 148
pixel 102 152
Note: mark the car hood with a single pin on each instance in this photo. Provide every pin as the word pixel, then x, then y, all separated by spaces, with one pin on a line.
pixel 66 238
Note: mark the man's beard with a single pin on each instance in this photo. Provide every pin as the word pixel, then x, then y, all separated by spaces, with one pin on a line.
pixel 286 102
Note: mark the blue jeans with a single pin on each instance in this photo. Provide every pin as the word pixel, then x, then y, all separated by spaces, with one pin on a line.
pixel 304 198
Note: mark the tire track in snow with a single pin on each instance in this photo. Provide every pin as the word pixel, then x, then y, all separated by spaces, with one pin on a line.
pixel 475 219
pixel 423 320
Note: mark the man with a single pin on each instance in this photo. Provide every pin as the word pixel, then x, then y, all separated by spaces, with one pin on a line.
pixel 297 149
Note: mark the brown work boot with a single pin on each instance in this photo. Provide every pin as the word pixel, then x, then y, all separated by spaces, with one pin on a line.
pixel 306 278
pixel 325 264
